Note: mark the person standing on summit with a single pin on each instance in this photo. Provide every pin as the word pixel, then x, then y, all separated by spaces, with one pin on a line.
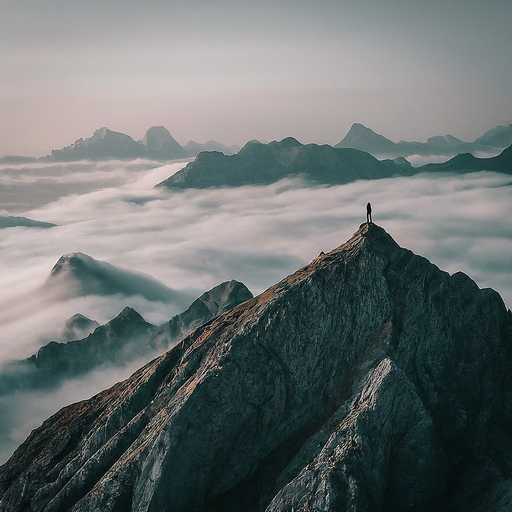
pixel 369 213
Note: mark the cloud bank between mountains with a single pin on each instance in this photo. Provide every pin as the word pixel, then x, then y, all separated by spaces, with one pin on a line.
pixel 192 240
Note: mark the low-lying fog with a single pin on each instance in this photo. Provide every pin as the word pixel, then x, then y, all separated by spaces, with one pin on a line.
pixel 193 240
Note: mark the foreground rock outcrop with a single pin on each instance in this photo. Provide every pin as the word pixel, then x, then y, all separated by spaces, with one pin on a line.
pixel 368 380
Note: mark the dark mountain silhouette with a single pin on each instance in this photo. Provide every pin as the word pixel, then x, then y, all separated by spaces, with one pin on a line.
pixel 368 380
pixel 262 164
pixel 469 163
pixel 120 341
pixel 363 138
pixel 77 274
pixel 17 159
pixel 12 222
pixel 123 339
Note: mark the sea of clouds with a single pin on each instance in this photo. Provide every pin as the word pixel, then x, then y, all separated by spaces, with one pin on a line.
pixel 192 240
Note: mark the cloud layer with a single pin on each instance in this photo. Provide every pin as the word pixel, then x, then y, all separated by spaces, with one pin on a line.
pixel 194 239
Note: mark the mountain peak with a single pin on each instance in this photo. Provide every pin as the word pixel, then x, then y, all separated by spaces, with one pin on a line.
pixel 101 133
pixel 76 274
pixel 363 138
pixel 160 144
pixel 289 142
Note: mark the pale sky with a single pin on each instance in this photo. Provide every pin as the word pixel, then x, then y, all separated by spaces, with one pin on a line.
pixel 236 70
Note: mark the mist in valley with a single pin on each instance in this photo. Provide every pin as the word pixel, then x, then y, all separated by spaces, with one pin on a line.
pixel 192 240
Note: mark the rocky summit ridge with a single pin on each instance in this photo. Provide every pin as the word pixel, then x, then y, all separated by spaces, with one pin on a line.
pixel 368 380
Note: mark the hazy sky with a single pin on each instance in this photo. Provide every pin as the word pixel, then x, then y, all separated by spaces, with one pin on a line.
pixel 237 70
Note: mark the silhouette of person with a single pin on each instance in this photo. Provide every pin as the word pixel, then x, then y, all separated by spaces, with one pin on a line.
pixel 369 213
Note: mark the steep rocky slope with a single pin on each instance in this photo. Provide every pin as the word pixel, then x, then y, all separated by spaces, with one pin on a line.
pixel 368 380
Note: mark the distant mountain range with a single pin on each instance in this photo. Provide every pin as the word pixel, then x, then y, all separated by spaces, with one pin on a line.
pixel 125 338
pixel 157 144
pixel 365 139
pixel 85 346
pixel 262 164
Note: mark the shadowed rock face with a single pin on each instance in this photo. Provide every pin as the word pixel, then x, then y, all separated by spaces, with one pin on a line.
pixel 368 380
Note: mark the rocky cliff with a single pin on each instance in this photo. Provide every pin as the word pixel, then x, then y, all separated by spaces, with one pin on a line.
pixel 368 380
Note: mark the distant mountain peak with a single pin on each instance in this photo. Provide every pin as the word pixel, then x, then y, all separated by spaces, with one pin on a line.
pixel 77 274
pixel 101 133
pixel 365 139
pixel 159 143
pixel 288 142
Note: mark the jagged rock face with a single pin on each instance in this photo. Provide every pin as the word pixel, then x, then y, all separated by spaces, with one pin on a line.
pixel 368 380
